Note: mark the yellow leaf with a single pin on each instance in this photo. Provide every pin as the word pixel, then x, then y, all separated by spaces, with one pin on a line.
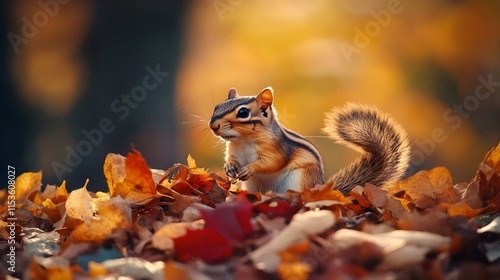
pixel 27 183
pixel 114 171
pixel 191 162
pixel 114 215
pixel 96 269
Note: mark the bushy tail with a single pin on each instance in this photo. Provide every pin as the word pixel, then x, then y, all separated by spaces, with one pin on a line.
pixel 383 142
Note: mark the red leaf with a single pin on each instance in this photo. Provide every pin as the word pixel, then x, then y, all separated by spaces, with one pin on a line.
pixel 207 244
pixel 231 219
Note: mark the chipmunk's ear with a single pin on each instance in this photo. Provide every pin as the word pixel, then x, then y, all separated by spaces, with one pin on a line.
pixel 265 98
pixel 232 93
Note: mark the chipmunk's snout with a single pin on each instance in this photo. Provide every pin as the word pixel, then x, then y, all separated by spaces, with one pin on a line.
pixel 213 125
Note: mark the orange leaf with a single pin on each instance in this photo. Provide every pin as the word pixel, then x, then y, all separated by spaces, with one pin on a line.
pixel 51 210
pixel 325 193
pixel 61 193
pixel 460 208
pixel 96 269
pixel 129 177
pixel 492 158
pixel 172 271
pixel 138 174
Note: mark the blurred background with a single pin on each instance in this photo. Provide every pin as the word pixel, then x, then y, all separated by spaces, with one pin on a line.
pixel 85 78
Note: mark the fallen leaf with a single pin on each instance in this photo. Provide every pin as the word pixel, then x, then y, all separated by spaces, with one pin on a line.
pixel 208 245
pixel 427 186
pixel 325 192
pixel 114 171
pixel 113 215
pixel 132 268
pixel 460 208
pixel 302 225
pixel 61 194
pixel 231 219
pixel 27 183
pixel 174 270
pixel 431 221
pixel 492 158
pixel 163 238
pixel 79 204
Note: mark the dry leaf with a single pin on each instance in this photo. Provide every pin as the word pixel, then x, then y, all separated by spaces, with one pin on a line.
pixel 163 238
pixel 492 158
pixel 113 215
pixel 302 225
pixel 426 186
pixel 326 192
pixel 27 183
pixel 79 204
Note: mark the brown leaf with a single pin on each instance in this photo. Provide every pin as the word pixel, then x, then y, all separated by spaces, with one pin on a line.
pixel 375 195
pixel 472 195
pixel 431 221
pixel 426 186
pixel 51 210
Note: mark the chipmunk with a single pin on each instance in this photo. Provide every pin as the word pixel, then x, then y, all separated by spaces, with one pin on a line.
pixel 266 156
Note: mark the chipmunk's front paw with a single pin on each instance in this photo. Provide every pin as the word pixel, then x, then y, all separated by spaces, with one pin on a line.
pixel 245 173
pixel 231 169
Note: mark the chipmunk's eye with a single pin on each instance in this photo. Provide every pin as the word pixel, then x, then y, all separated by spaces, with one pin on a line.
pixel 243 113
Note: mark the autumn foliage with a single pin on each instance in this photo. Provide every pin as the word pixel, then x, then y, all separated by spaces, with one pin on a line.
pixel 186 223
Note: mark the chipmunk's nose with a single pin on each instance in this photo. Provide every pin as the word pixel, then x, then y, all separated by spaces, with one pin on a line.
pixel 213 126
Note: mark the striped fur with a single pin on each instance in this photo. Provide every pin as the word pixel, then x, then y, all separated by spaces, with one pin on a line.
pixel 262 153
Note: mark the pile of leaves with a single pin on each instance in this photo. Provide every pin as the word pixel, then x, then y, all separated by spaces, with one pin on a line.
pixel 186 223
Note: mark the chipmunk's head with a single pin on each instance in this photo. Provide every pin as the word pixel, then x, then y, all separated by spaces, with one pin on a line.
pixel 240 116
